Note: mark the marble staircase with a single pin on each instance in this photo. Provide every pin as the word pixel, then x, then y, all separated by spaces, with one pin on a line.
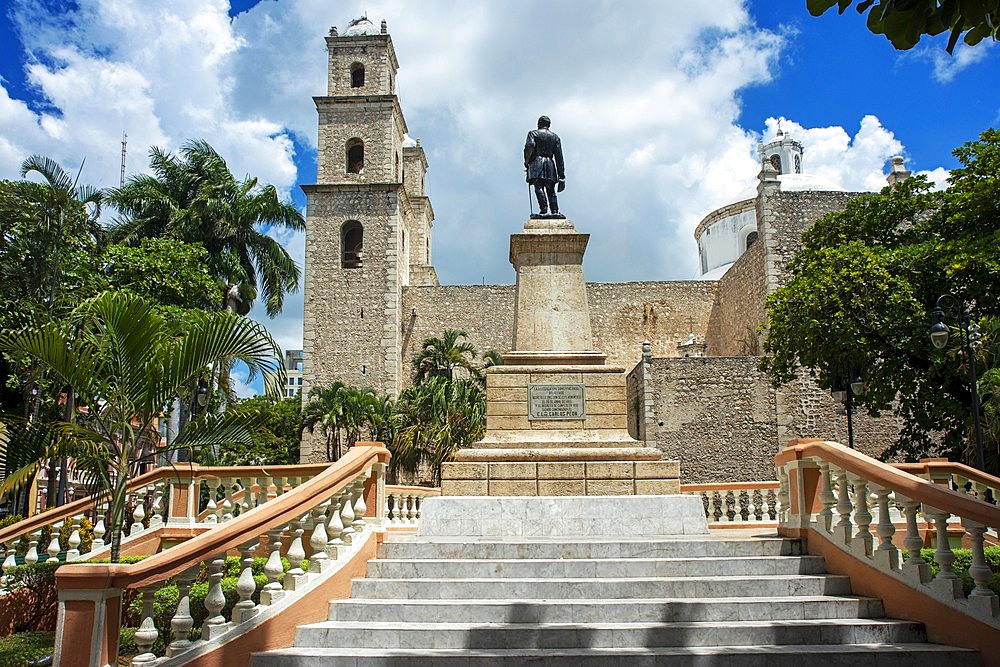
pixel 718 599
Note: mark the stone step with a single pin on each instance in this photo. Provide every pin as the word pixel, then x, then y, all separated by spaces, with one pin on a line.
pixel 766 655
pixel 610 588
pixel 636 610
pixel 408 635
pixel 414 547
pixel 593 568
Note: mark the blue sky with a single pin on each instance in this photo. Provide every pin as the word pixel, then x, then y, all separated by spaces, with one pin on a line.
pixel 660 105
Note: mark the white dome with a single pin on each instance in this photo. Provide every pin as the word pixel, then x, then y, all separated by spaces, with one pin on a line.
pixel 361 26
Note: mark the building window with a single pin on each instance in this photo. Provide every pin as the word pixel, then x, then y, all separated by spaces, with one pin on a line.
pixel 798 164
pixel 751 237
pixel 352 242
pixel 357 75
pixel 355 156
pixel 776 163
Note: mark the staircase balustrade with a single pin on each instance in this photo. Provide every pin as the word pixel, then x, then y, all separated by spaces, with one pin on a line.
pixel 737 502
pixel 875 512
pixel 403 504
pixel 277 511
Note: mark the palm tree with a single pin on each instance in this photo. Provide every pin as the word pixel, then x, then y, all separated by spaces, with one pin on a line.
pixel 440 356
pixel 439 416
pixel 345 414
pixel 194 197
pixel 126 362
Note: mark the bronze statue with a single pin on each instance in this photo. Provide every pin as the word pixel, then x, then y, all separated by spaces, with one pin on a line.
pixel 543 164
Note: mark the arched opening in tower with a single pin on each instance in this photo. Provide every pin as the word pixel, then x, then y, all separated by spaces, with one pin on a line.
pixel 352 240
pixel 357 75
pixel 355 156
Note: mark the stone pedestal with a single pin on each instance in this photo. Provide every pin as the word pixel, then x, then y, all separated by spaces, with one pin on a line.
pixel 555 413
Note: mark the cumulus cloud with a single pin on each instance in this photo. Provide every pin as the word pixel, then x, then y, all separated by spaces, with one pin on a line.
pixel 948 66
pixel 647 100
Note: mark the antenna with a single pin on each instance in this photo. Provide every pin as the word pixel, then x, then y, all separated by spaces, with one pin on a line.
pixel 121 182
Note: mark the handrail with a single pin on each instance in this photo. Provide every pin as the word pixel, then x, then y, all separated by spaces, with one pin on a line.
pixel 888 476
pixel 339 508
pixel 940 467
pixel 230 535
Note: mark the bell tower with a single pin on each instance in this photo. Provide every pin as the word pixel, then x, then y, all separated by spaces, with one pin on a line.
pixel 363 216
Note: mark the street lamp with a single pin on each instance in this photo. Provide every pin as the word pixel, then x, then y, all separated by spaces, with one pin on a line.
pixel 939 333
pixel 845 388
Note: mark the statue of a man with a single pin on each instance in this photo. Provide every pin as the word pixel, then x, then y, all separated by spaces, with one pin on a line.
pixel 543 164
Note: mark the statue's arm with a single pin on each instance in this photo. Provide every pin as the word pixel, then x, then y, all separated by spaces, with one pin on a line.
pixel 560 166
pixel 529 148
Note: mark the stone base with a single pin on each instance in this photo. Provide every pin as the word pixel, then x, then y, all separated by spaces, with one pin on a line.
pixel 561 478
pixel 590 517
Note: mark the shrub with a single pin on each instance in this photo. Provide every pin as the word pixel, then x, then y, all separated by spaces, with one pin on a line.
pixel 20 649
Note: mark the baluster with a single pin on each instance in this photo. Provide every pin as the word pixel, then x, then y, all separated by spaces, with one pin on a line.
pixel 772 504
pixel 347 516
pixel 182 622
pixel 227 504
pixel 844 507
pixel 826 497
pixel 31 557
pixel 138 512
pixel 54 548
pixel 215 601
pixel 418 508
pixel 262 486
pixel 915 568
pixel 947 584
pixel 784 496
pixel 318 539
pixel 8 563
pixel 862 517
pixel 246 495
pixel 245 609
pixel 705 505
pixel 732 508
pixel 360 507
pixel 273 568
pixel 887 555
pixel 982 599
pixel 99 532
pixel 401 508
pixel 279 486
pixel 147 634
pixel 156 507
pixel 334 529
pixel 752 505
pixel 296 557
pixel 212 508
pixel 74 539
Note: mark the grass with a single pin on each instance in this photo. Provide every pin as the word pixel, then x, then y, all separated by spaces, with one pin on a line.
pixel 19 649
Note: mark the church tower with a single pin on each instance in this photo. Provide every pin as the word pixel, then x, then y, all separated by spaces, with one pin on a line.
pixel 368 220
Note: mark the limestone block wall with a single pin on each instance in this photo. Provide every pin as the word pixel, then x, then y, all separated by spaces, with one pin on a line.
pixel 377 121
pixel 720 417
pixel 350 330
pixel 738 310
pixel 622 316
pixel 374 52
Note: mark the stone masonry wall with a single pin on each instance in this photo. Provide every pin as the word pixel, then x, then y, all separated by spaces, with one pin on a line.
pixel 622 316
pixel 739 310
pixel 719 416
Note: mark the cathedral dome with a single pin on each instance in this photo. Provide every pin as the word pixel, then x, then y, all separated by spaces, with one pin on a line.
pixel 361 26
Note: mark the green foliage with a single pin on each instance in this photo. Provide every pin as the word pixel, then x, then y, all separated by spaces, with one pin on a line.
pixel 276 440
pixel 126 361
pixel 963 561
pixel 20 649
pixel 862 288
pixel 345 415
pixel 194 197
pixel 32 600
pixel 441 356
pixel 166 272
pixel 904 22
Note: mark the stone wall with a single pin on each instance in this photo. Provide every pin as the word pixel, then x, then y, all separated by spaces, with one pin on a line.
pixel 622 316
pixel 720 417
pixel 738 311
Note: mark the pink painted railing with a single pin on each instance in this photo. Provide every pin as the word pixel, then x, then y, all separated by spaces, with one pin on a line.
pixel 317 517
pixel 855 509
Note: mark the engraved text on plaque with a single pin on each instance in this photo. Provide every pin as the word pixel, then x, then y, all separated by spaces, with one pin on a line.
pixel 556 401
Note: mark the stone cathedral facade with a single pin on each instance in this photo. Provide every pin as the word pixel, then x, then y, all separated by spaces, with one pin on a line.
pixel 372 295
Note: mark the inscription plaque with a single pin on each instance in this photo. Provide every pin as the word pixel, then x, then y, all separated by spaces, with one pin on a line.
pixel 556 401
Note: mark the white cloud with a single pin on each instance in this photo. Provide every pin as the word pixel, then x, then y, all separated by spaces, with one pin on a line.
pixel 649 111
pixel 948 66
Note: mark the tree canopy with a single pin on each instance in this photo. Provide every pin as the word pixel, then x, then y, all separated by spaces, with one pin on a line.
pixel 904 22
pixel 194 197
pixel 864 284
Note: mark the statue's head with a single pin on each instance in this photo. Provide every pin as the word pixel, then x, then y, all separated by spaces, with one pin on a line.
pixel 544 122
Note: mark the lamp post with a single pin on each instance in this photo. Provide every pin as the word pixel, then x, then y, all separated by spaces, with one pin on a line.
pixel 845 388
pixel 939 333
